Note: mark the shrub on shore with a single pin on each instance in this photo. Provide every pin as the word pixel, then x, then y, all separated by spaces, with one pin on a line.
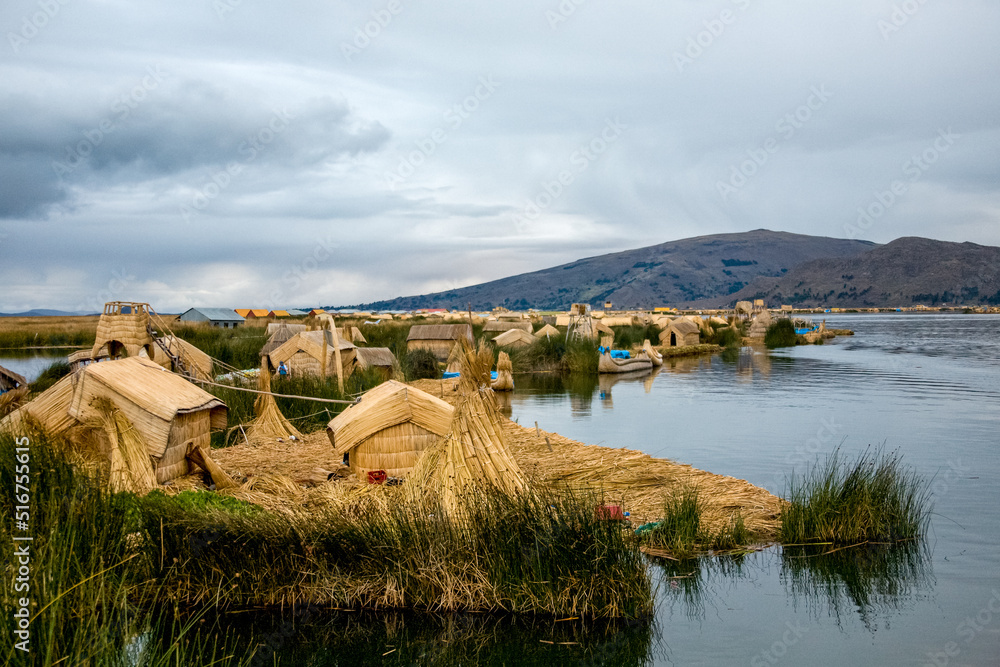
pixel 780 334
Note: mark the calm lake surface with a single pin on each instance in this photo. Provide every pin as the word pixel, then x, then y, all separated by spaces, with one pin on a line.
pixel 30 363
pixel 927 385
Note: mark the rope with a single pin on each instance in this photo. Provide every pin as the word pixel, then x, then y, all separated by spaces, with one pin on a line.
pixel 258 391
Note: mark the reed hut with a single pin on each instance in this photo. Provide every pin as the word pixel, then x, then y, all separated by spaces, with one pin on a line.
pixel 380 358
pixel 125 330
pixel 547 331
pixel 495 327
pixel 314 353
pixel 389 428
pixel 9 380
pixel 679 333
pixel 515 338
pixel 171 413
pixel 274 327
pixel 439 339
pixel 280 333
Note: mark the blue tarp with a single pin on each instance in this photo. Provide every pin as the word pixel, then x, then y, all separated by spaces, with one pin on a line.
pixel 448 376
pixel 615 354
pixel 804 331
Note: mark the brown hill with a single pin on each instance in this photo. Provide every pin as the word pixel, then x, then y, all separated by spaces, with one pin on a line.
pixel 907 271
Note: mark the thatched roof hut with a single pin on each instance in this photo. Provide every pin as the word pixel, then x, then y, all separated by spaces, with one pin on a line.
pixel 547 331
pixel 515 338
pixel 381 358
pixel 679 333
pixel 389 428
pixel 171 414
pixel 303 354
pixel 352 334
pixel 440 339
pixel 124 329
pixel 274 327
pixel 9 380
pixel 499 326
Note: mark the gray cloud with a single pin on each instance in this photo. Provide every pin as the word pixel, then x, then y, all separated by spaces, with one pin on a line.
pixel 180 111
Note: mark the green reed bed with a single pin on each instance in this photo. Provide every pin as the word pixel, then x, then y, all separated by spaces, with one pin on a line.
pixel 874 498
pixel 535 555
pixel 682 533
pixel 629 336
pixel 89 595
pixel 239 348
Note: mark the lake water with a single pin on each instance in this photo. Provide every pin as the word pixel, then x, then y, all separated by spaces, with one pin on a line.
pixel 30 363
pixel 928 386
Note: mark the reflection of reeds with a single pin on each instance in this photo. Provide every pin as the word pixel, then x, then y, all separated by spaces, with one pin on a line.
pixel 689 583
pixel 868 578
pixel 322 638
pixel 874 498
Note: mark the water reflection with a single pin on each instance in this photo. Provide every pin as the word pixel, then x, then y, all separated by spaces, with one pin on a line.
pixel 687 585
pixel 872 579
pixel 324 638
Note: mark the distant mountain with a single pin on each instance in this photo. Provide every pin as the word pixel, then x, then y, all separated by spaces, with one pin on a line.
pixel 44 312
pixel 674 273
pixel 907 271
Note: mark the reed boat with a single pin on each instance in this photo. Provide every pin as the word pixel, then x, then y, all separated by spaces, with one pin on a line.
pixel 653 355
pixel 608 364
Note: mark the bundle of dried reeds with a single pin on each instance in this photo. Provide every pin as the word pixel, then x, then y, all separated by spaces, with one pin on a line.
pixel 474 454
pixel 269 423
pixel 505 377
pixel 12 400
pixel 131 468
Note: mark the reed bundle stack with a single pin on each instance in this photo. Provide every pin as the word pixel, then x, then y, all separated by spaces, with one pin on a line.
pixel 505 373
pixel 474 455
pixel 389 429
pixel 126 450
pixel 269 423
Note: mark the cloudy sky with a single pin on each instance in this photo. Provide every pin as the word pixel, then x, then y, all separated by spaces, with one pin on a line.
pixel 248 153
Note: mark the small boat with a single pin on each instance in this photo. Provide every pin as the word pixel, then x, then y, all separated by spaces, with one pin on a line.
pixel 653 355
pixel 609 364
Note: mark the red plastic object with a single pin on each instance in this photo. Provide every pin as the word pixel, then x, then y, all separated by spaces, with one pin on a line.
pixel 610 512
pixel 376 476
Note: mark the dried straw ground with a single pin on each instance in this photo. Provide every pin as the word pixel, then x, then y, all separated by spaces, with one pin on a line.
pixel 637 481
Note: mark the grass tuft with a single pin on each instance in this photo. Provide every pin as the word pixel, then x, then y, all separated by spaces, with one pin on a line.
pixel 875 498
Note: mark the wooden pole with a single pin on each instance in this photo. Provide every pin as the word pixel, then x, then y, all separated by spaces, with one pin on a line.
pixel 336 354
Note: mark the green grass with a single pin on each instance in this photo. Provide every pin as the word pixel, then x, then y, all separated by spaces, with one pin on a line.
pixel 581 357
pixel 630 336
pixel 89 593
pixel 421 364
pixel 681 532
pixel 50 376
pixel 780 334
pixel 239 347
pixel 874 498
pixel 535 555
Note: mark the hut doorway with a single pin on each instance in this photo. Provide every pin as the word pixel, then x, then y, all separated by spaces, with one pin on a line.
pixel 673 339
